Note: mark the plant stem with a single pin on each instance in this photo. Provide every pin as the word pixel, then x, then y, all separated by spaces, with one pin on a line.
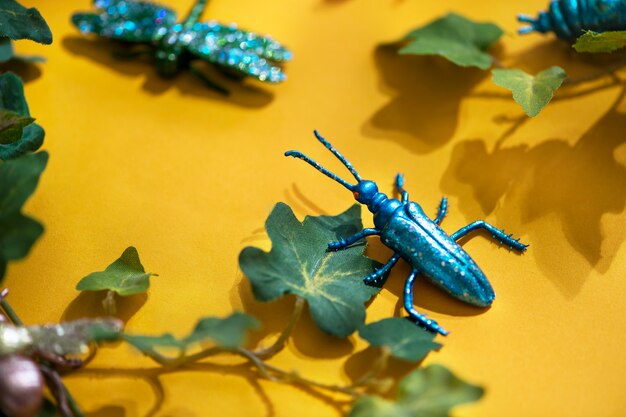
pixel 279 344
pixel 10 313
pixel 72 403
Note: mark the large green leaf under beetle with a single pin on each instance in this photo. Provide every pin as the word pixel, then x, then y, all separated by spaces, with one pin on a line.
pixel 532 92
pixel 425 392
pixel 455 38
pixel 18 22
pixel 18 180
pixel 403 339
pixel 299 263
pixel 229 332
pixel 18 135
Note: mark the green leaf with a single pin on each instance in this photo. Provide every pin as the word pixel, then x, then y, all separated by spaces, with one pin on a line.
pixel 6 50
pixel 530 92
pixel 404 339
pixel 229 332
pixel 18 180
pixel 125 277
pixel 12 100
pixel 600 42
pixel 455 38
pixel 425 392
pixel 331 282
pixel 18 22
pixel 12 126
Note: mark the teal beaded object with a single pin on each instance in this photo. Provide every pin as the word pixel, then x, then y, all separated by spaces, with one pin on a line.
pixel 175 45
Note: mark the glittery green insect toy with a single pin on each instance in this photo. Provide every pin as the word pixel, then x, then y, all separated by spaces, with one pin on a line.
pixel 174 45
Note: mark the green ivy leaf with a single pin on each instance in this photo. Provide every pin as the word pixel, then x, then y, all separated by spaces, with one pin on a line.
pixel 18 180
pixel 229 332
pixel 125 277
pixel 331 282
pixel 425 392
pixel 530 92
pixel 6 50
pixel 18 22
pixel 404 339
pixel 12 126
pixel 595 42
pixel 455 38
pixel 12 100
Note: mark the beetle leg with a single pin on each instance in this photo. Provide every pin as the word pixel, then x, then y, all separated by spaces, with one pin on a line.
pixel 495 233
pixel 344 243
pixel 442 210
pixel 400 187
pixel 377 278
pixel 418 318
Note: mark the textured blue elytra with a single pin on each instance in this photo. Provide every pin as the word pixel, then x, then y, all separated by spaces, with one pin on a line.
pixel 568 19
pixel 175 44
pixel 404 227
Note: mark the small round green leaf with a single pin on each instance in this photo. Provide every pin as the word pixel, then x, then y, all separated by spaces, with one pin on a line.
pixel 600 42
pixel 425 392
pixel 126 276
pixel 455 38
pixel 530 92
pixel 299 263
pixel 404 339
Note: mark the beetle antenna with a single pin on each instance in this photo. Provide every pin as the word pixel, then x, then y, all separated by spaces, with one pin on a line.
pixel 338 155
pixel 320 168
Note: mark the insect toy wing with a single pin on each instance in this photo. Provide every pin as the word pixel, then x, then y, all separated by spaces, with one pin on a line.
pixel 131 21
pixel 243 51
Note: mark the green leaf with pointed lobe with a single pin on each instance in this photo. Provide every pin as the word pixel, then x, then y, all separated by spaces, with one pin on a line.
pixel 23 137
pixel 125 277
pixel 18 180
pixel 425 392
pixel 595 42
pixel 18 22
pixel 530 92
pixel 299 264
pixel 456 38
pixel 404 339
pixel 229 332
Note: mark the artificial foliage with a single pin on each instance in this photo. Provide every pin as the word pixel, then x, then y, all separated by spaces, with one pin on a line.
pixel 426 392
pixel 468 43
pixel 18 134
pixel 455 38
pixel 18 232
pixel 18 22
pixel 603 42
pixel 299 264
pixel 532 92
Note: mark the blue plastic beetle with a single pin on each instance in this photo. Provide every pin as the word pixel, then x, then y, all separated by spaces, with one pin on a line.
pixel 404 227
pixel 568 19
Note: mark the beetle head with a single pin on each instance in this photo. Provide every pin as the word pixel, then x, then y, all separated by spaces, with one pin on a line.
pixel 364 191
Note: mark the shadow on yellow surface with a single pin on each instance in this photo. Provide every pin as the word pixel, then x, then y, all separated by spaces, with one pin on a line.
pixel 28 71
pixel 578 183
pixel 426 95
pixel 102 51
pixel 88 304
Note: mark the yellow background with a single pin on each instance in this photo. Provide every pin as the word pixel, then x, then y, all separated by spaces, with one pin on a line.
pixel 188 177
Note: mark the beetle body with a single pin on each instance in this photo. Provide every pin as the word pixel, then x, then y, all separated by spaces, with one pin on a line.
pixel 404 227
pixel 568 19
pixel 423 244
